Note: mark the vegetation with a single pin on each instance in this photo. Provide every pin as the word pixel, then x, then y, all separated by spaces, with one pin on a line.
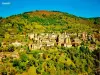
pixel 47 21
pixel 56 61
pixel 79 60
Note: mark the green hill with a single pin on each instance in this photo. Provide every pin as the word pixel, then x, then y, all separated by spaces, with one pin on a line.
pixel 47 21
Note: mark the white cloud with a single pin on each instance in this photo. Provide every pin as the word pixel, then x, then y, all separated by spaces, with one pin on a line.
pixel 6 3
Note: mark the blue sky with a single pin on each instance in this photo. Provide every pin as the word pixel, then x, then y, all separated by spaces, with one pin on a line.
pixel 83 8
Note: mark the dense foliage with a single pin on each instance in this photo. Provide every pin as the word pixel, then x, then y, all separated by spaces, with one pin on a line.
pixel 54 61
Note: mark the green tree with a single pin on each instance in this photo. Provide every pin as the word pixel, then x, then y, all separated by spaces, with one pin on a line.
pixel 23 57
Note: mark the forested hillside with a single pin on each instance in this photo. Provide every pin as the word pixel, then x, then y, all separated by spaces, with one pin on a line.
pixel 47 21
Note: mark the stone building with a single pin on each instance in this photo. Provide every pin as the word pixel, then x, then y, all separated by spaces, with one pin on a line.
pixel 68 41
pixel 31 36
pixel 84 36
pixel 76 42
pixel 16 44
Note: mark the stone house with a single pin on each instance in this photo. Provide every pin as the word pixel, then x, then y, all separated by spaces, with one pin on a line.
pixel 84 36
pixel 16 44
pixel 33 46
pixel 4 44
pixel 76 42
pixel 92 47
pixel 31 36
pixel 15 55
pixel 68 42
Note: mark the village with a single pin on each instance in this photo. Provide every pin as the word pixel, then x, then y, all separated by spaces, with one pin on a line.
pixel 61 39
pixel 31 42
pixel 47 40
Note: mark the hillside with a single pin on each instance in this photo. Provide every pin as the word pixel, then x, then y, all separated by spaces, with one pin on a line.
pixel 47 21
pixel 49 43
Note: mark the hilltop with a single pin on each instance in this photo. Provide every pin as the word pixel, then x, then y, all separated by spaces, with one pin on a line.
pixel 47 21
